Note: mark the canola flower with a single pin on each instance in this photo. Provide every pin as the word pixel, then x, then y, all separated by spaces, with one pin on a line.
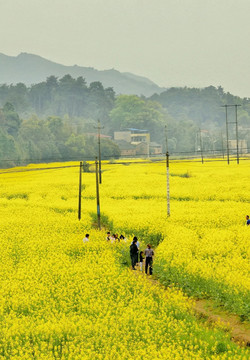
pixel 205 250
pixel 62 299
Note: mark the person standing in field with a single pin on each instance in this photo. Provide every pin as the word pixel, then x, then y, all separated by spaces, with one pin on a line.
pixel 138 246
pixel 149 252
pixel 137 242
pixel 141 260
pixel 86 239
pixel 248 220
pixel 134 253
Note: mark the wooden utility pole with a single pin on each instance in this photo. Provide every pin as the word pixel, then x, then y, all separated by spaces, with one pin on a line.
pixel 99 149
pixel 237 137
pixel 80 192
pixel 97 196
pixel 166 137
pixel 201 148
pixel 222 145
pixel 168 192
pixel 226 106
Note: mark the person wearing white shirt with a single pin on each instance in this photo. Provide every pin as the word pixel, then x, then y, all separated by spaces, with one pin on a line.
pixel 86 239
pixel 137 243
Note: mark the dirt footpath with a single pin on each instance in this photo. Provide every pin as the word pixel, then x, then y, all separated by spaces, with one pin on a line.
pixel 206 309
pixel 240 331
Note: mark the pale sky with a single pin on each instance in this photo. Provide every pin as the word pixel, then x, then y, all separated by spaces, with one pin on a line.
pixel 194 43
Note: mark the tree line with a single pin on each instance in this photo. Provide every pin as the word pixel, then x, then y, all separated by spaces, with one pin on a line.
pixel 35 140
pixel 55 119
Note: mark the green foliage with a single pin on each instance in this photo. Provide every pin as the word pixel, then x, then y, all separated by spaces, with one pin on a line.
pixel 109 149
pixel 105 221
pixel 75 145
pixel 202 288
pixel 132 111
pixel 60 115
pixel 51 139
pixel 86 166
pixel 10 119
pixel 59 97
pixel 183 175
pixel 192 108
pixel 24 196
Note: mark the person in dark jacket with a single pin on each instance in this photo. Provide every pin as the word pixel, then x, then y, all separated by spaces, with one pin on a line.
pixel 149 252
pixel 134 253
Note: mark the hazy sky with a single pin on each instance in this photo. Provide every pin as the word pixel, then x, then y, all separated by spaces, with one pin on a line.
pixel 194 43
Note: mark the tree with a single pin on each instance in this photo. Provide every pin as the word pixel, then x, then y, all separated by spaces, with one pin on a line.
pixel 109 149
pixel 8 149
pixel 100 102
pixel 10 119
pixel 37 139
pixel 130 111
pixel 39 99
pixel 76 147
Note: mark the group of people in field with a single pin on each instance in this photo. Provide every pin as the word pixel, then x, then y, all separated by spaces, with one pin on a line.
pixel 115 237
pixel 112 238
pixel 137 257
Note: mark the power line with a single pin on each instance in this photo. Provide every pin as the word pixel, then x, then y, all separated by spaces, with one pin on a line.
pixel 187 160
pixel 9 171
pixel 139 155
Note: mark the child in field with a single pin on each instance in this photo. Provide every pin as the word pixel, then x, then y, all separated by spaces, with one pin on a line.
pixel 86 239
pixel 141 260
pixel 121 238
pixel 149 252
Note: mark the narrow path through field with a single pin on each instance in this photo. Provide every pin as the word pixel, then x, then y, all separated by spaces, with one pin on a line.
pixel 209 312
pixel 206 309
pixel 240 331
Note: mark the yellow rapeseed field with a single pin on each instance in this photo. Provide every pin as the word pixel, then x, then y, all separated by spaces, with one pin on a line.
pixel 63 299
pixel 206 249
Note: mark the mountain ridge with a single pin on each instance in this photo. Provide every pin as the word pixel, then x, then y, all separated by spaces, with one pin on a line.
pixel 32 69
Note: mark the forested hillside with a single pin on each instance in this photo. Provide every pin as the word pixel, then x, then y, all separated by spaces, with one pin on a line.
pixel 204 109
pixel 32 69
pixel 56 119
pixel 203 106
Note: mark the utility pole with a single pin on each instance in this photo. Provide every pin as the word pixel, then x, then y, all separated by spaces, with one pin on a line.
pixel 226 106
pixel 222 145
pixel 237 135
pixel 99 148
pixel 80 192
pixel 97 196
pixel 236 125
pixel 202 161
pixel 168 192
pixel 166 136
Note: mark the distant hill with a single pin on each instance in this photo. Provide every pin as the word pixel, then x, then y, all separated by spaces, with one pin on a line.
pixel 31 69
